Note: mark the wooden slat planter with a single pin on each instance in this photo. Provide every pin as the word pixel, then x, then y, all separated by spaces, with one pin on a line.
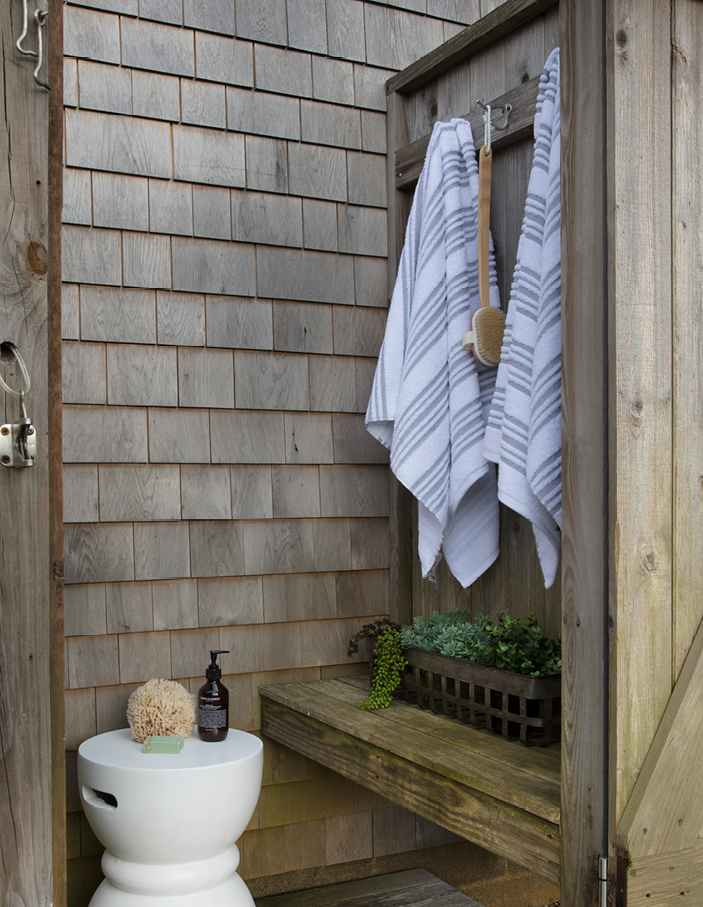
pixel 509 704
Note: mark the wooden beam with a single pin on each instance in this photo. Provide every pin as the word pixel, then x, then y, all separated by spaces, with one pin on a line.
pixel 410 159
pixel 31 654
pixel 585 539
pixel 505 830
pixel 499 22
pixel 667 880
pixel 665 809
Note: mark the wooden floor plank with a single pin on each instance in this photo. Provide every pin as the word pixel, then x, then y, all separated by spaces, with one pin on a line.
pixel 492 823
pixel 414 888
pixel 335 705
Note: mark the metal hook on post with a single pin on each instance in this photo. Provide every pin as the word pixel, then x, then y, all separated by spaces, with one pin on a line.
pixel 506 108
pixel 18 440
pixel 40 17
pixel 25 24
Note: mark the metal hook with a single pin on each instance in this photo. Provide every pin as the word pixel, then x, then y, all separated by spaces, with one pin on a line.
pixel 23 369
pixel 506 108
pixel 40 17
pixel 18 42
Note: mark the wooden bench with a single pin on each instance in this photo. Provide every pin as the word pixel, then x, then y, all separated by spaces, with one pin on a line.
pixel 400 889
pixel 497 793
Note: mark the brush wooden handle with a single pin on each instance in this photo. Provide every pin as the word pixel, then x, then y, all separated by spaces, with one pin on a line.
pixel 485 164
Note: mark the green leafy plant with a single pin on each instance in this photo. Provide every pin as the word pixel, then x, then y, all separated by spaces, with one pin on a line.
pixel 370 631
pixel 388 667
pixel 504 643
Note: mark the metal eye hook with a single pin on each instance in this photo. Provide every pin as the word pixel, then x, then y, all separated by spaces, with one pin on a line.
pixel 40 17
pixel 18 42
pixel 23 370
pixel 506 108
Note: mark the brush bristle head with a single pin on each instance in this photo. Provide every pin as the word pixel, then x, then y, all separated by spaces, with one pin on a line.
pixel 488 324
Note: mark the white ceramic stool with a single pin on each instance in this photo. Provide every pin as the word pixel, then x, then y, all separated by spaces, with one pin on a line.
pixel 169 823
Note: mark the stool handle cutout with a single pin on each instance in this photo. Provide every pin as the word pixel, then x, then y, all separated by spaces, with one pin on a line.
pixel 99 798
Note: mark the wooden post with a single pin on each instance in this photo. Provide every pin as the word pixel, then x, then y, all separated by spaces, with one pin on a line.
pixel 32 807
pixel 584 809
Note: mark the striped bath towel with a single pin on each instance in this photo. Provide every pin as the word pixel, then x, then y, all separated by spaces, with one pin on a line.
pixel 430 398
pixel 524 426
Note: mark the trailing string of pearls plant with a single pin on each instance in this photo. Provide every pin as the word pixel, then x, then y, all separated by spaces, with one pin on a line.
pixel 388 667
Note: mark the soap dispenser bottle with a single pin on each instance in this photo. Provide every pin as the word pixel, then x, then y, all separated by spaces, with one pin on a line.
pixel 213 703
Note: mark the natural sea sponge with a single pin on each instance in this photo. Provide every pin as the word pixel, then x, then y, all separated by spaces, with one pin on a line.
pixel 161 708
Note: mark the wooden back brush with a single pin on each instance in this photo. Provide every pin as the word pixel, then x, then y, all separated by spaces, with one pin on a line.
pixel 488 322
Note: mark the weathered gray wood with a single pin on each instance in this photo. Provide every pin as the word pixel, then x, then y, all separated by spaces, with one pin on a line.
pixel 122 144
pixel 161 551
pixel 92 661
pixel 70 319
pixel 80 721
pixel 239 323
pixel 362 593
pixel 129 608
pixel 206 493
pixel 584 802
pixel 155 96
pixel 227 602
pixel 99 553
pixel 499 22
pixel 307 596
pixel 175 604
pixel 92 35
pixel 353 444
pixel 362 231
pixel 332 542
pixel 178 436
pixel 141 376
pixel 206 266
pixel 320 225
pixel 326 644
pixel 277 381
pixel 77 201
pixel 303 328
pixel 139 493
pixel 354 491
pixel 206 378
pixel 170 11
pixel 170 207
pixel 263 114
pixel 98 434
pixel 308 276
pixel 210 15
pixel 220 59
pixel 83 369
pixel 212 215
pixel 332 80
pixel 366 175
pixel 370 544
pixel 203 104
pixel 256 217
pixel 395 38
pixel 117 315
pixel 401 888
pixel 283 71
pixel 279 546
pixel 330 124
pixel 661 879
pixel 370 86
pixel 251 492
pixel 146 260
pixel 144 655
pixel 296 491
pixel 208 156
pixel 104 87
pixel 332 384
pixel 358 331
pixel 180 319
pixel 187 649
pixel 345 30
pixel 85 610
pixel 267 164
pixel 410 159
pixel 243 437
pixel 216 548
pixel 91 256
pixel 267 24
pixel 163 48
pixel 80 494
pixel 373 131
pixel 317 172
pixel 120 202
pixel 70 82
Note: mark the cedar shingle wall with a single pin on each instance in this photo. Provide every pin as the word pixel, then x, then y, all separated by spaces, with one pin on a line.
pixel 224 264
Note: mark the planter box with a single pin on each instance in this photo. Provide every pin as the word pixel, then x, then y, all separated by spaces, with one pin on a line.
pixel 514 705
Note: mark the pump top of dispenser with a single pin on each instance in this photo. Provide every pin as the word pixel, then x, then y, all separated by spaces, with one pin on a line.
pixel 214 672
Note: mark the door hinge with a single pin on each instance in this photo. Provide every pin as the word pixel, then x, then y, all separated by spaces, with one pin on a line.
pixel 603 880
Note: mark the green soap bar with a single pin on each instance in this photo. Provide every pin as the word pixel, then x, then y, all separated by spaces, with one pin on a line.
pixel 160 745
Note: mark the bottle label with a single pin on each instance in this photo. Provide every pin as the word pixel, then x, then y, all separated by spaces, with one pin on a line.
pixel 211 717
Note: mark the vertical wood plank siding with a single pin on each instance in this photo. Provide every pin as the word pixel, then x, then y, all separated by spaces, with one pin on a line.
pixel 225 268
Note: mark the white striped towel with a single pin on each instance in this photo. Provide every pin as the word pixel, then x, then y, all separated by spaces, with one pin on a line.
pixel 524 426
pixel 430 398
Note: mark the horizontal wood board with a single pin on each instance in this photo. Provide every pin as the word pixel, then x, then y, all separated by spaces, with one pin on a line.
pixel 501 797
pixel 400 889
pixel 499 22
